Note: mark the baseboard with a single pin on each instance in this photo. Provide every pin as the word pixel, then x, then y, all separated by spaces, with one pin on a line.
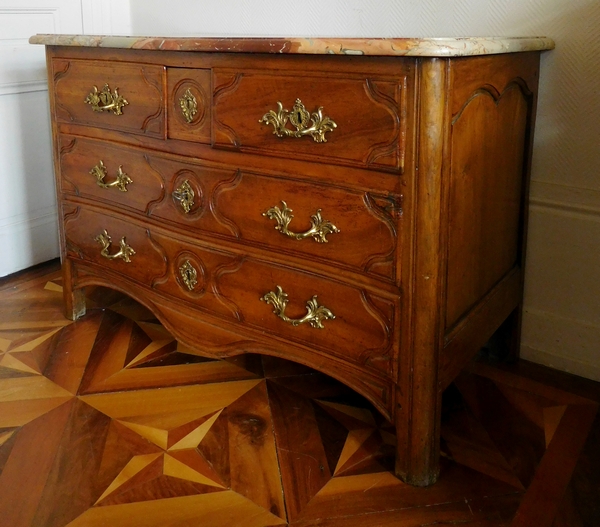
pixel 561 343
pixel 28 241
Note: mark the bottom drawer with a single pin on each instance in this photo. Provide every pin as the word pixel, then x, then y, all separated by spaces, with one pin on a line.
pixel 275 300
pixel 111 241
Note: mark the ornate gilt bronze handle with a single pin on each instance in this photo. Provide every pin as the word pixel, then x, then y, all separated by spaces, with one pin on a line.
pixel 189 275
pixel 99 171
pixel 314 316
pixel 319 228
pixel 185 195
pixel 105 100
pixel 125 251
pixel 299 117
pixel 188 105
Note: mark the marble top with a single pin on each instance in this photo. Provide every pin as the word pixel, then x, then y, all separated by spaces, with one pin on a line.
pixel 414 47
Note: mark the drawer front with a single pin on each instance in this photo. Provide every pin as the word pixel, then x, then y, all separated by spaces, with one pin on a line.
pixel 115 95
pixel 189 104
pixel 349 228
pixel 109 173
pixel 302 307
pixel 113 242
pixel 319 312
pixel 346 119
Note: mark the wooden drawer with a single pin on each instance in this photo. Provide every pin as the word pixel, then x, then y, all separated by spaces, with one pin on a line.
pixel 107 172
pixel 189 104
pixel 362 120
pixel 238 287
pixel 84 229
pixel 115 95
pixel 348 228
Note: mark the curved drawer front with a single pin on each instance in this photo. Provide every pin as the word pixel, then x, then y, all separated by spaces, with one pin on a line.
pixel 114 243
pixel 348 228
pixel 109 173
pixel 335 317
pixel 344 119
pixel 302 307
pixel 115 95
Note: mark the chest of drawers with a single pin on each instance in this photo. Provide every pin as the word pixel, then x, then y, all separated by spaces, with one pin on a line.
pixel 363 214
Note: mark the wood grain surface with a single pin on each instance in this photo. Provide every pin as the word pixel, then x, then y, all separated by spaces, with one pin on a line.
pixel 388 195
pixel 110 421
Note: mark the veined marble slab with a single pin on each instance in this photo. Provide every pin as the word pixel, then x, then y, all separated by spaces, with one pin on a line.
pixel 413 47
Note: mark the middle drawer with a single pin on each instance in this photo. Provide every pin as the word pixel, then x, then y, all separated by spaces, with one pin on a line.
pixel 343 227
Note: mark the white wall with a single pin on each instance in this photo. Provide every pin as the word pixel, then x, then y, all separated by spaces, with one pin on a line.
pixel 562 300
pixel 28 222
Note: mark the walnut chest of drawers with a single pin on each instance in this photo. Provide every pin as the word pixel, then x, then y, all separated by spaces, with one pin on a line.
pixel 358 206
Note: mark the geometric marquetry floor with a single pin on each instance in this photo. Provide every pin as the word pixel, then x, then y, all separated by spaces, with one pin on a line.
pixel 110 422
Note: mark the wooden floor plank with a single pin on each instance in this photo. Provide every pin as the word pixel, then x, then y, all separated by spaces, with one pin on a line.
pixel 584 488
pixel 469 444
pixel 108 421
pixel 24 476
pixel 523 383
pixel 345 497
pixel 304 464
pixel 67 363
pixel 218 508
pixel 518 439
pixel 171 406
pixel 253 459
pixel 31 277
pixel 540 504
pixel 458 513
pixel 73 483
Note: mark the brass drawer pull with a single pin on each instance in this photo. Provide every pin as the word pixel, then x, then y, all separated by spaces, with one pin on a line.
pixel 125 251
pixel 314 316
pixel 188 105
pixel 99 171
pixel 106 100
pixel 299 117
pixel 319 228
pixel 185 195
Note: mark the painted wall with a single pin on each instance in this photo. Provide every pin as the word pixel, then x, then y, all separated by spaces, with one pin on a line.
pixel 28 222
pixel 562 300
pixel 28 226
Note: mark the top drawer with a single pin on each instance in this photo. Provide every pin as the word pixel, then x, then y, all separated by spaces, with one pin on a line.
pixel 116 95
pixel 346 119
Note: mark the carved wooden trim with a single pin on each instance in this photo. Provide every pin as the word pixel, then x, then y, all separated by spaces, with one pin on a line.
pixel 158 114
pixel 496 96
pixel 396 106
pixel 231 267
pixel 219 128
pixel 65 149
pixel 71 248
pixel 225 186
pixel 165 260
pixel 151 204
pixel 387 208
pixel 58 76
pixel 385 350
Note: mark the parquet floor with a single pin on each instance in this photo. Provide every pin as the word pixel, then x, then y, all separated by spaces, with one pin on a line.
pixel 110 422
